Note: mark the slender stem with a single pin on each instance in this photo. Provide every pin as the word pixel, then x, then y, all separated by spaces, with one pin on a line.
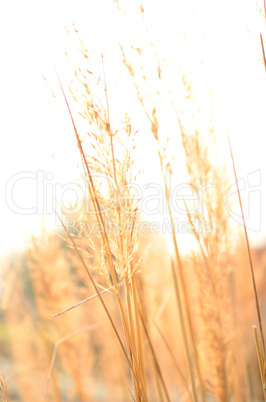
pixel 57 343
pixel 263 50
pixel 260 359
pixel 108 118
pixel 153 354
pixel 173 358
pixel 101 300
pixel 128 289
pixel 183 285
pixel 95 201
pixel 251 267
pixel 138 331
pixel 249 254
pixel 135 368
pixel 184 334
pixel 86 300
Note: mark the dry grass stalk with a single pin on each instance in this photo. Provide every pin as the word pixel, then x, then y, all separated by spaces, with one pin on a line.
pixel 252 272
pixel 56 346
pixel 263 50
pixel 259 355
pixel 261 38
pixel 183 328
pixel 126 270
pixel 100 298
pixel 111 261
pixel 154 355
pixel 150 111
pixel 211 263
pixel 3 388
pixel 173 358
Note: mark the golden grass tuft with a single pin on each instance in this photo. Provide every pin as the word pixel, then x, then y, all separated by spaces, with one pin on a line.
pixel 99 311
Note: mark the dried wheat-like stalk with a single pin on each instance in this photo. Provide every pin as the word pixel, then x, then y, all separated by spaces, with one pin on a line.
pixel 147 96
pixel 110 155
pixel 3 388
pixel 211 266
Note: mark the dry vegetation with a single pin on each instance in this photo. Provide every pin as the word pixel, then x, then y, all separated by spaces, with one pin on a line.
pixel 153 325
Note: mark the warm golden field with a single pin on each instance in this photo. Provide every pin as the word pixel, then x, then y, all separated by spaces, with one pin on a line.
pixel 140 319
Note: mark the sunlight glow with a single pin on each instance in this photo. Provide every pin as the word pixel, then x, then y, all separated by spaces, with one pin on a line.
pixel 208 42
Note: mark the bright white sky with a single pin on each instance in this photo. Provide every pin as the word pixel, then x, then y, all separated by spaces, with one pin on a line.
pixel 34 127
